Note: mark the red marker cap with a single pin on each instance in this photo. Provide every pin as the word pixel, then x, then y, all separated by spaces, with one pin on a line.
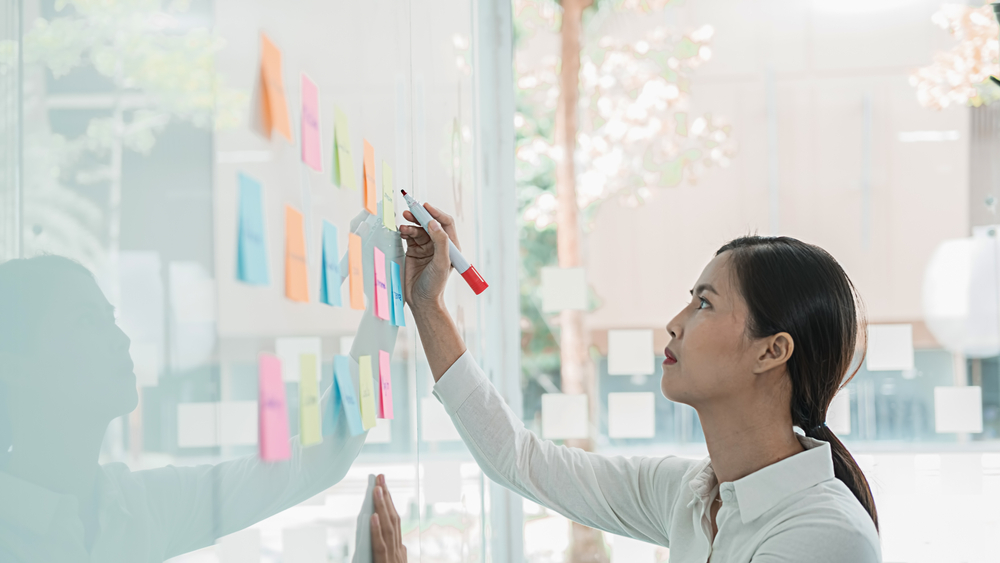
pixel 475 281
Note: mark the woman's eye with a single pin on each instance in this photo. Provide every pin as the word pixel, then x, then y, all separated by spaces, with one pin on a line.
pixel 703 304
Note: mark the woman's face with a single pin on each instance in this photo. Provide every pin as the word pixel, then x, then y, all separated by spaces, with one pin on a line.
pixel 709 356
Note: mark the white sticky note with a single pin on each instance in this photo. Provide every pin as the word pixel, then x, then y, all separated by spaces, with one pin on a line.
pixel 306 544
pixel 197 425
pixel 289 350
pixel 192 293
pixel 442 481
pixel 238 423
pixel 630 352
pixel 628 550
pixel 838 416
pixel 435 424
pixel 958 409
pixel 564 288
pixel 345 345
pixel 631 415
pixel 381 433
pixel 890 347
pixel 239 547
pixel 564 416
pixel 146 361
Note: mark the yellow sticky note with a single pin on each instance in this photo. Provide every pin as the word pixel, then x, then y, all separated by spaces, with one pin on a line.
pixel 371 204
pixel 388 208
pixel 367 388
pixel 355 273
pixel 296 287
pixel 275 107
pixel 310 418
pixel 343 165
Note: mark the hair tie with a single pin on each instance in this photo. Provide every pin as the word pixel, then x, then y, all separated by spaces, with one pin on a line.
pixel 817 428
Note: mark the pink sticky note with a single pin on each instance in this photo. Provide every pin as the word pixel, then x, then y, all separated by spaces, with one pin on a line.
pixel 381 288
pixel 385 380
pixel 273 417
pixel 311 149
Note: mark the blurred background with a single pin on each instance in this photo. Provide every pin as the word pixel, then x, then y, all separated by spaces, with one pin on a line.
pixel 595 154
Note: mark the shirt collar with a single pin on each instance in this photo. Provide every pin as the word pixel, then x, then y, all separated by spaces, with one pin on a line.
pixel 762 490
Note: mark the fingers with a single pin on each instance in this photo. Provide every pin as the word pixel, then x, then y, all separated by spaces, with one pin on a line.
pixel 398 534
pixel 380 551
pixel 442 217
pixel 442 255
pixel 447 222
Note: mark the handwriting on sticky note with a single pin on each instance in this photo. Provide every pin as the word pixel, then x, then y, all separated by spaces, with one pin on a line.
pixel 273 96
pixel 310 429
pixel 343 166
pixel 251 252
pixel 396 288
pixel 355 272
pixel 296 287
pixel 367 390
pixel 272 419
pixel 381 289
pixel 345 396
pixel 371 204
pixel 388 207
pixel 311 145
pixel 330 280
pixel 385 381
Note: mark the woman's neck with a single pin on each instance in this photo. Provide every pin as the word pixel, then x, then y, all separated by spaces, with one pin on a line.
pixel 63 460
pixel 745 440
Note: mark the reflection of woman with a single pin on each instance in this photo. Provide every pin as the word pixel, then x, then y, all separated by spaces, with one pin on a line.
pixel 65 373
pixel 763 347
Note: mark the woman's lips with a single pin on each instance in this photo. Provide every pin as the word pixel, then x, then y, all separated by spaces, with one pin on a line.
pixel 670 358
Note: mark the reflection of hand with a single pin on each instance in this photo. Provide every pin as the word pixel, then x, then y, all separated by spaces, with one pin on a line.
pixel 387 537
pixel 428 263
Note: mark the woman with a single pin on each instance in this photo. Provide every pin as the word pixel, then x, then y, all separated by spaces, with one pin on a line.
pixel 763 347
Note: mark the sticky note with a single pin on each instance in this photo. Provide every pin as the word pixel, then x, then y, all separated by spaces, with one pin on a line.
pixel 273 416
pixel 563 289
pixel 296 287
pixel 311 146
pixel 329 283
pixel 276 109
pixel 251 252
pixel 289 350
pixel 344 395
pixel 396 288
pixel 355 272
pixel 240 547
pixel 890 347
pixel 631 415
pixel 367 391
pixel 310 421
pixel 441 481
pixel 197 425
pixel 385 380
pixel 381 434
pixel 564 416
pixel 343 167
pixel 838 414
pixel 388 208
pixel 381 289
pixel 630 352
pixel 238 423
pixel 306 544
pixel 371 204
pixel 958 409
pixel 435 424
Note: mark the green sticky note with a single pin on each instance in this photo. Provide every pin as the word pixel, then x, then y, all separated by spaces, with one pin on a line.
pixel 310 417
pixel 388 208
pixel 343 167
pixel 367 388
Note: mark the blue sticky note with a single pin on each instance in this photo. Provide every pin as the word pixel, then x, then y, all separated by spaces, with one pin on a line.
pixel 396 286
pixel 251 259
pixel 343 394
pixel 329 285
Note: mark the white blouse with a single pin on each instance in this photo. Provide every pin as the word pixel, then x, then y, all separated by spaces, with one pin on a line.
pixel 792 511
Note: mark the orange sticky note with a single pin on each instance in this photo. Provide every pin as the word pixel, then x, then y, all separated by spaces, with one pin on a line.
pixel 273 96
pixel 354 269
pixel 370 204
pixel 296 287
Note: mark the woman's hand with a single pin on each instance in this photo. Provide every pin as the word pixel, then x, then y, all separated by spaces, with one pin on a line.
pixel 428 264
pixel 387 537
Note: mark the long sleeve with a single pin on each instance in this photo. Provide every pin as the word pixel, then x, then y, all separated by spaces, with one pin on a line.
pixel 190 507
pixel 626 496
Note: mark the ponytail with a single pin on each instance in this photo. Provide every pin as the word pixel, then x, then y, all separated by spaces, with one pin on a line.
pixel 794 287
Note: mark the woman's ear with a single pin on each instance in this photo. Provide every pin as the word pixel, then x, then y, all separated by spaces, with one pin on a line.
pixel 776 352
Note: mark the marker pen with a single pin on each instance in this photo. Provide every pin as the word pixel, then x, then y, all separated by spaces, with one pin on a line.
pixel 468 271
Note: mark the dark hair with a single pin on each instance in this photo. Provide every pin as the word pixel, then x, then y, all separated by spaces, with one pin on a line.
pixel 25 285
pixel 794 287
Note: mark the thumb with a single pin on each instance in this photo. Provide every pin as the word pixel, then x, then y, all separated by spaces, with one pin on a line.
pixel 442 255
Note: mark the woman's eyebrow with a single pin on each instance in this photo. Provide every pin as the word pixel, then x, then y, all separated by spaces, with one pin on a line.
pixel 704 287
